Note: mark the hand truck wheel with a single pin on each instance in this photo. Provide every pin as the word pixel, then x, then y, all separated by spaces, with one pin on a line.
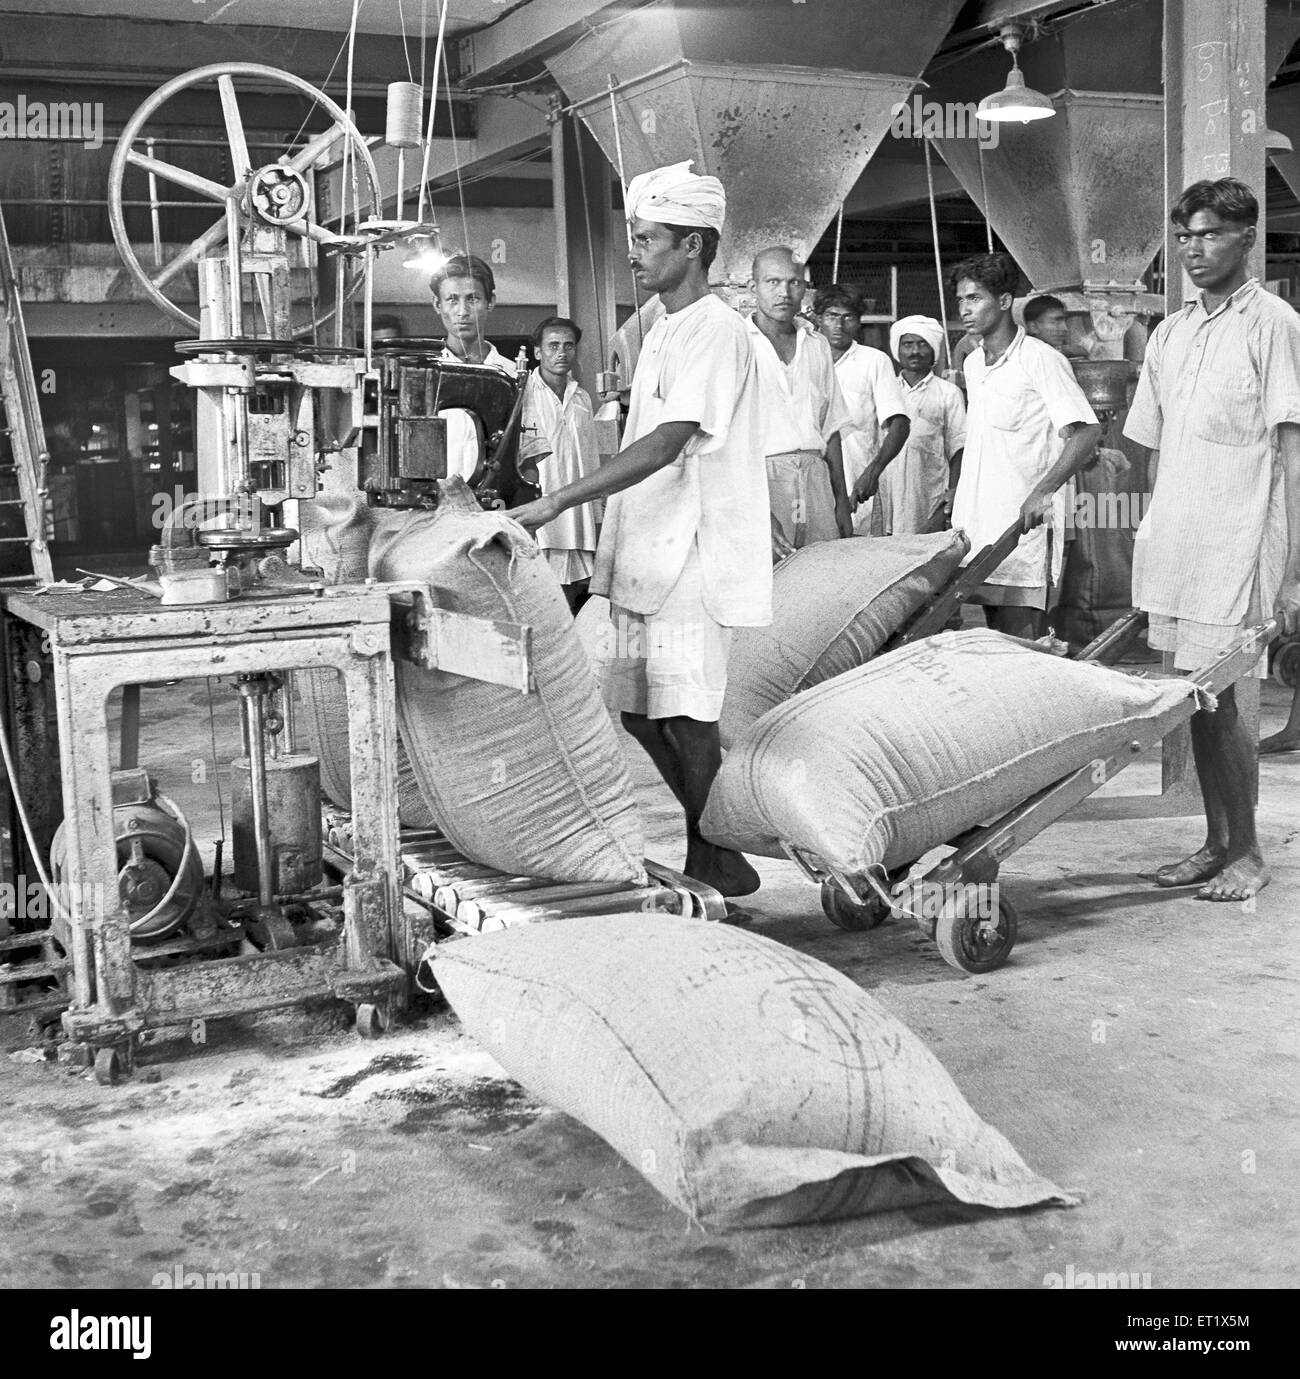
pixel 844 914
pixel 1286 664
pixel 971 941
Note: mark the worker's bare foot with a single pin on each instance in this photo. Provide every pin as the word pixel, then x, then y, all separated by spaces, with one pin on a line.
pixel 1238 880
pixel 1200 866
pixel 1280 742
pixel 722 868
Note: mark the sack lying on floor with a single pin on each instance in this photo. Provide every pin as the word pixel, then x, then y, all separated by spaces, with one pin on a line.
pixel 336 534
pixel 881 764
pixel 532 783
pixel 751 1084
pixel 834 605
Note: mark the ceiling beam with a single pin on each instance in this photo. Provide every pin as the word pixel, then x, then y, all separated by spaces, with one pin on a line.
pixel 527 34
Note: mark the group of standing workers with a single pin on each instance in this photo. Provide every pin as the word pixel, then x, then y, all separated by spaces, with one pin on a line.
pixel 748 437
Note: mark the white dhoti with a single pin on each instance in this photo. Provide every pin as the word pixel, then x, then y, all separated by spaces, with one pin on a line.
pixel 668 664
pixel 801 497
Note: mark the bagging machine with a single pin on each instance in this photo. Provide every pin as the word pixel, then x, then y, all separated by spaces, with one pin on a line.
pixel 149 934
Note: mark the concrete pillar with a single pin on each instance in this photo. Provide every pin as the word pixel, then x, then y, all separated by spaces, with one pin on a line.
pixel 588 241
pixel 1215 77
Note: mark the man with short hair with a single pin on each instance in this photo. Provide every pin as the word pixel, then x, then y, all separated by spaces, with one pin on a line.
pixel 803 411
pixel 1219 546
pixel 464 292
pixel 685 550
pixel 875 401
pixel 1029 429
pixel 916 490
pixel 1046 320
pixel 559 433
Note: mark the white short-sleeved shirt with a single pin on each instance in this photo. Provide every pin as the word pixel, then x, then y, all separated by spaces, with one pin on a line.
pixel 873 395
pixel 567 432
pixel 1213 388
pixel 462 430
pixel 801 406
pixel 914 483
pixel 696 365
pixel 1016 409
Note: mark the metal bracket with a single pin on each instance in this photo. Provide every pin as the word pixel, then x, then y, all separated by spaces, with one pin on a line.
pixel 499 653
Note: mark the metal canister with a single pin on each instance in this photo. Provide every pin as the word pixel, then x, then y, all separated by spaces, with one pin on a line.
pixel 293 817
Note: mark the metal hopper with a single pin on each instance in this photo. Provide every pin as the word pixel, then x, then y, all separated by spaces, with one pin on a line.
pixel 784 110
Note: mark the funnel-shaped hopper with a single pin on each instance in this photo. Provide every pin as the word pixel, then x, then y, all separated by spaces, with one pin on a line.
pixel 1078 199
pixel 759 96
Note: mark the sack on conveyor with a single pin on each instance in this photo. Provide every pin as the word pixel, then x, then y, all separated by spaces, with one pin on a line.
pixel 834 605
pixel 750 1084
pixel 336 535
pixel 899 756
pixel 533 783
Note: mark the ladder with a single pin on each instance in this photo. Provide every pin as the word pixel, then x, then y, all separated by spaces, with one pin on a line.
pixel 21 417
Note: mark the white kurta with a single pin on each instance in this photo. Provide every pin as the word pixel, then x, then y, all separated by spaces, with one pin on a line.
pixel 1213 388
pixel 696 365
pixel 463 447
pixel 915 481
pixel 567 431
pixel 1017 407
pixel 873 395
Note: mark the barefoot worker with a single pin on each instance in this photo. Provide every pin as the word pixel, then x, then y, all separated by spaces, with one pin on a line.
pixel 1220 383
pixel 685 553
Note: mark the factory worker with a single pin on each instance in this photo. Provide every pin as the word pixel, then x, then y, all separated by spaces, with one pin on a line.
pixel 1029 428
pixel 875 402
pixel 464 291
pixel 1218 550
pixel 685 550
pixel 559 435
pixel 803 411
pixel 916 490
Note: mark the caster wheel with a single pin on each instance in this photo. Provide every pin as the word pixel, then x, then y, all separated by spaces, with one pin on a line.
pixel 1286 664
pixel 844 914
pixel 372 1020
pixel 108 1067
pixel 971 941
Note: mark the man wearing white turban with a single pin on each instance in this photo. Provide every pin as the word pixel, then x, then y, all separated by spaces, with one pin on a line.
pixel 916 490
pixel 875 401
pixel 685 551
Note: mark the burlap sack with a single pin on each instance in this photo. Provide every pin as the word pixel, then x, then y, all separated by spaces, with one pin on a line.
pixel 751 1084
pixel 530 783
pixel 881 764
pixel 834 605
pixel 336 533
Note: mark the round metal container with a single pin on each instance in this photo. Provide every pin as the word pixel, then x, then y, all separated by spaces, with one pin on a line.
pixel 293 817
pixel 1104 381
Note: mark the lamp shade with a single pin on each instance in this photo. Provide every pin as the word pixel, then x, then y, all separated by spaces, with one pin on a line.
pixel 1015 101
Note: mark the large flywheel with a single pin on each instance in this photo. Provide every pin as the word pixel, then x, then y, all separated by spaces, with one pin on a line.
pixel 278 193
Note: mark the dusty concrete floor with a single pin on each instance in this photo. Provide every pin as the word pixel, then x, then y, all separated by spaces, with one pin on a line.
pixel 1140 1049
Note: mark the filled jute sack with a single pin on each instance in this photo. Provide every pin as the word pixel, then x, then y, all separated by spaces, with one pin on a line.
pixel 336 532
pixel 885 762
pixel 834 605
pixel 531 783
pixel 750 1084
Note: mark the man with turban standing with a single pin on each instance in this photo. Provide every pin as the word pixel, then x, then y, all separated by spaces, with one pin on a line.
pixel 685 551
pixel 915 492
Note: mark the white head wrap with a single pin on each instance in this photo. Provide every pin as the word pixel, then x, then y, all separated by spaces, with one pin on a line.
pixel 674 195
pixel 925 326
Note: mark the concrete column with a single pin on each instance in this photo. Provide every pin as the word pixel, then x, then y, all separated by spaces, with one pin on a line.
pixel 1215 75
pixel 588 242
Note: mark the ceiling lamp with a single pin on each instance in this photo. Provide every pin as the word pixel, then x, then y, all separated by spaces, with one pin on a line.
pixel 1015 101
pixel 1277 142
pixel 426 254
